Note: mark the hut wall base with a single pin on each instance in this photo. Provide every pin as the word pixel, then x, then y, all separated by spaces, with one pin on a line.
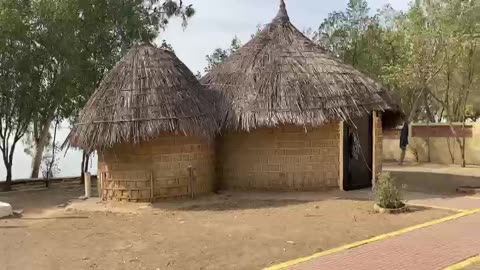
pixel 157 169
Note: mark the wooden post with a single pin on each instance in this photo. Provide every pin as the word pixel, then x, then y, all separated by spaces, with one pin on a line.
pixel 374 149
pixel 99 184
pixel 340 157
pixel 88 185
pixel 191 180
pixel 152 195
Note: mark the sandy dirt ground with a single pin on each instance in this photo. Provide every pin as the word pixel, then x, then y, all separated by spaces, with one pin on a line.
pixel 215 232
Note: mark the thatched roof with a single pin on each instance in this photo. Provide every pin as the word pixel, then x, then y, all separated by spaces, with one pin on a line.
pixel 148 93
pixel 282 77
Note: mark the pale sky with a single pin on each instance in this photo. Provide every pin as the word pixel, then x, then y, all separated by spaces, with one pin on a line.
pixel 218 21
pixel 214 25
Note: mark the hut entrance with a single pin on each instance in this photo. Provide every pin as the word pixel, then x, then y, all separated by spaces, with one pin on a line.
pixel 357 154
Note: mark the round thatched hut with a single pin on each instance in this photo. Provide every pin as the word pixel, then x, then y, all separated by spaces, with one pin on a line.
pixel 151 126
pixel 292 116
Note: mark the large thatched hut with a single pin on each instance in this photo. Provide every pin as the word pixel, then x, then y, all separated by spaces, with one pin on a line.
pixel 152 128
pixel 295 118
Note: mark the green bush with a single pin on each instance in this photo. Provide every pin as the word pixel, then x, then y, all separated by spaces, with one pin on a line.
pixel 387 194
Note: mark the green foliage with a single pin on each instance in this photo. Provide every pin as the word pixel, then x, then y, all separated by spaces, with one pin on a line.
pixel 81 39
pixel 54 53
pixel 472 113
pixel 428 55
pixel 18 75
pixel 166 46
pixel 219 55
pixel 387 195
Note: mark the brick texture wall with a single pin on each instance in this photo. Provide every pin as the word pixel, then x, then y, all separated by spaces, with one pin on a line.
pixel 441 147
pixel 128 171
pixel 284 159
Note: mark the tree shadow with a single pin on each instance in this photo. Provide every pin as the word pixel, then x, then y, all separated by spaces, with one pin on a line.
pixel 13 227
pixel 414 208
pixel 35 201
pixel 240 204
pixel 227 203
pixel 20 217
pixel 55 218
pixel 247 200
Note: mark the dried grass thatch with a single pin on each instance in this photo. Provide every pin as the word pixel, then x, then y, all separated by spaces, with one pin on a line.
pixel 282 77
pixel 148 93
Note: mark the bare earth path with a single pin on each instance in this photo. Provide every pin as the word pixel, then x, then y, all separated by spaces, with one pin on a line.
pixel 218 232
pixel 434 247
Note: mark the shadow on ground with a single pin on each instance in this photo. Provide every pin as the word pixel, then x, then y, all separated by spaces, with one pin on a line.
pixel 38 200
pixel 228 201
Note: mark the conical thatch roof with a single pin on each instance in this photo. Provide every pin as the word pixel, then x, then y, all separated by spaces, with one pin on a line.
pixel 148 93
pixel 282 77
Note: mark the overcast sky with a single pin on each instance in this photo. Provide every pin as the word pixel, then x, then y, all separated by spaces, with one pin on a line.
pixel 218 21
pixel 214 25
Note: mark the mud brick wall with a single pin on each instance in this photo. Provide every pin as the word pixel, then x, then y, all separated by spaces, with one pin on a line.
pixel 128 171
pixel 436 141
pixel 287 158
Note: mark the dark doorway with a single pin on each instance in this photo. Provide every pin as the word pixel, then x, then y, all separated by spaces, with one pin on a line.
pixel 357 170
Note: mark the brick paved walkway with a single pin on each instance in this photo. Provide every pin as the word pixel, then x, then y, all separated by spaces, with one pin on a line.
pixel 462 203
pixel 430 248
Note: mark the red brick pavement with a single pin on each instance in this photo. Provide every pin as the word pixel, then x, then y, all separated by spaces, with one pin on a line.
pixel 430 248
pixel 462 203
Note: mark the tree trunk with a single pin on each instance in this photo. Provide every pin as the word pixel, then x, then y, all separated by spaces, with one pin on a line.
pixel 52 161
pixel 430 118
pixel 460 144
pixel 40 144
pixel 413 112
pixel 87 159
pixel 464 162
pixel 450 151
pixel 8 180
pixel 82 168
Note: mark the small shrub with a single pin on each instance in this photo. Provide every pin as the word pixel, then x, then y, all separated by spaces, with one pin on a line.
pixel 387 194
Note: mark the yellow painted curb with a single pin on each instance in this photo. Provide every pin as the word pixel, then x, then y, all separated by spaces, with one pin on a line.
pixel 371 240
pixel 438 207
pixel 463 264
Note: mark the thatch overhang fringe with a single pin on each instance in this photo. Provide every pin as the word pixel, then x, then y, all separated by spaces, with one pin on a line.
pixel 148 93
pixel 282 77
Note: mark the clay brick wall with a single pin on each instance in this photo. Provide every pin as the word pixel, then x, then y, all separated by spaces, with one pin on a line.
pixel 285 158
pixel 436 141
pixel 128 171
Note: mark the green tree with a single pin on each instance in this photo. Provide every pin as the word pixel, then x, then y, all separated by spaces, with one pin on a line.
pixel 428 55
pixel 18 76
pixel 343 32
pixel 219 55
pixel 166 46
pixel 81 40
pixel 54 54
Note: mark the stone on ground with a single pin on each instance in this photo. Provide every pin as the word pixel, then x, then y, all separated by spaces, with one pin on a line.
pixel 5 210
